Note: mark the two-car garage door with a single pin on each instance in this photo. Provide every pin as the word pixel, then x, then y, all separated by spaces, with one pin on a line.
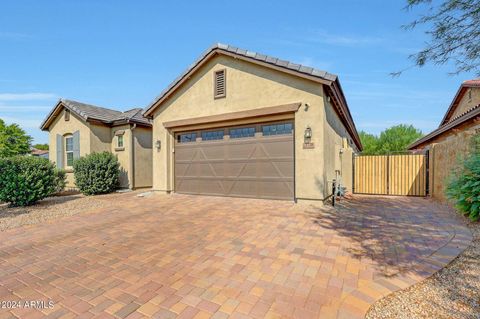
pixel 244 161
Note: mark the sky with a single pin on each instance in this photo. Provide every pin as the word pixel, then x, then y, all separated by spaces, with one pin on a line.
pixel 122 54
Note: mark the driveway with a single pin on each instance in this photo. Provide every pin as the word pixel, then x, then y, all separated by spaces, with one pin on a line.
pixel 206 257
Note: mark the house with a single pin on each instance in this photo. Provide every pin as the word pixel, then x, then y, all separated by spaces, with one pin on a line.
pixel 451 139
pixel 239 123
pixel 77 129
pixel 39 153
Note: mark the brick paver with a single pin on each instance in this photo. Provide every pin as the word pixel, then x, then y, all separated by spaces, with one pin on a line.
pixel 205 257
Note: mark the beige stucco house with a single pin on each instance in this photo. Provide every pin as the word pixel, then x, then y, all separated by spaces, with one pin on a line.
pixel 451 139
pixel 77 129
pixel 239 123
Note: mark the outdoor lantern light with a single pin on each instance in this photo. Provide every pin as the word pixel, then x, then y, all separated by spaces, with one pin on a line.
pixel 308 134
pixel 158 144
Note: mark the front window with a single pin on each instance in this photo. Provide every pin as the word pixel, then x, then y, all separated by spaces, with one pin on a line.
pixel 69 150
pixel 120 141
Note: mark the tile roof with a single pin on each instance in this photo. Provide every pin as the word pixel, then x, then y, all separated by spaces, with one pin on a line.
pixel 104 115
pixel 302 69
pixel 469 114
pixel 473 83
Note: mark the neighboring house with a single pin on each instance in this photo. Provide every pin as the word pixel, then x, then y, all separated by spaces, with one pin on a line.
pixel 239 123
pixel 39 153
pixel 77 129
pixel 451 139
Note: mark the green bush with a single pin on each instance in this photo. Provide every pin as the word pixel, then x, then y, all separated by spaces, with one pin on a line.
pixel 464 185
pixel 60 180
pixel 26 179
pixel 96 173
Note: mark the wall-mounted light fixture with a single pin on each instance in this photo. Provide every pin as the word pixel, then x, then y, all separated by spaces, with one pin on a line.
pixel 308 134
pixel 158 144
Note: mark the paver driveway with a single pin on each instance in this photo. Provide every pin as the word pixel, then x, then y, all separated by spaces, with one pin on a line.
pixel 189 256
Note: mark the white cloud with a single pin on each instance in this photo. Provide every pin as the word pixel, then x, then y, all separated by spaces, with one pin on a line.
pixel 23 123
pixel 26 96
pixel 23 108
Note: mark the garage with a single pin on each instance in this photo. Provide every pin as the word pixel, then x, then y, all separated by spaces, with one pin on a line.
pixel 254 161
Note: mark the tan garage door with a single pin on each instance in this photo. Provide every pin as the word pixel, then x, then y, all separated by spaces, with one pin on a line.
pixel 248 161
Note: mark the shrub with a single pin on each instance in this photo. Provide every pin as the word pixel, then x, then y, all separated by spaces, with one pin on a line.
pixel 26 179
pixel 464 185
pixel 60 180
pixel 96 173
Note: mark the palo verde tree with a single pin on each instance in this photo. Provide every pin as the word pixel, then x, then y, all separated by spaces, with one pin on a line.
pixel 454 31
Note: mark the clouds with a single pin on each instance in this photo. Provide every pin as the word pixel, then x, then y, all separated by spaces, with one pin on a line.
pixel 26 96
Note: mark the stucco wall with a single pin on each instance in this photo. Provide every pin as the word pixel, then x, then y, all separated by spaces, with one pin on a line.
pixel 445 153
pixel 249 87
pixel 123 154
pixel 470 99
pixel 62 127
pixel 338 150
pixel 143 157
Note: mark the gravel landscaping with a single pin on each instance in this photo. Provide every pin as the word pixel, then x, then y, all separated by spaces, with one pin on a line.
pixel 453 292
pixel 52 208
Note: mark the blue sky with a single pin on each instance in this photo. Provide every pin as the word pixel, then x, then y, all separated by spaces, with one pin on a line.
pixel 121 54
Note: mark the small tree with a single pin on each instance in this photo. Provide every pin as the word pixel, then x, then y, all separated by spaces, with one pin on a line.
pixel 96 173
pixel 43 147
pixel 13 140
pixel 464 184
pixel 397 138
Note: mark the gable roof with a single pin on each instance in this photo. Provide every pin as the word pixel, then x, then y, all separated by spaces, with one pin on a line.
pixel 324 78
pixel 88 112
pixel 458 96
pixel 458 120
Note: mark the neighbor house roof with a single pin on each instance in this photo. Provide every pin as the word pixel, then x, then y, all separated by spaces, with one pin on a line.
pixel 329 80
pixel 89 112
pixel 458 120
pixel 37 152
pixel 458 97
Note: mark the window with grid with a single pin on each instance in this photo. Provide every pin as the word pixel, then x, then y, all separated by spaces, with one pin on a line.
pixel 120 141
pixel 186 137
pixel 277 129
pixel 212 135
pixel 69 150
pixel 242 132
pixel 219 83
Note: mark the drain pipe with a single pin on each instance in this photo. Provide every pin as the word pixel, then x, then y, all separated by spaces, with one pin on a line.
pixel 132 155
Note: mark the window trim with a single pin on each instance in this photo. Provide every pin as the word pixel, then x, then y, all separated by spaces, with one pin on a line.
pixel 66 137
pixel 224 94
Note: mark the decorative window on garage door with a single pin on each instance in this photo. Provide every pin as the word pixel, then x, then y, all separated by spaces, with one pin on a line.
pixel 212 135
pixel 187 137
pixel 277 129
pixel 242 132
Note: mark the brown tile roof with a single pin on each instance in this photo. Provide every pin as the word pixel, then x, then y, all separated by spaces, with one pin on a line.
pixel 38 152
pixel 92 112
pixel 454 122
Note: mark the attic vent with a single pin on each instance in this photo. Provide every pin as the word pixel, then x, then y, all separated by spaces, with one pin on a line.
pixel 219 84
pixel 67 115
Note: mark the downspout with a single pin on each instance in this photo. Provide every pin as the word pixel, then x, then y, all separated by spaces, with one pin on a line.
pixel 132 155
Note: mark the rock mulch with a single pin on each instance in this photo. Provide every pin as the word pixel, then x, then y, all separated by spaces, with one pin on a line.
pixel 453 292
pixel 52 208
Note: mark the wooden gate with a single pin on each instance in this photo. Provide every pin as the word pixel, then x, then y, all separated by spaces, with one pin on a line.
pixel 391 175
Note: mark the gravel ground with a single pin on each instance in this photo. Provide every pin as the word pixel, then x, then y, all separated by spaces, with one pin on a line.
pixel 66 204
pixel 453 292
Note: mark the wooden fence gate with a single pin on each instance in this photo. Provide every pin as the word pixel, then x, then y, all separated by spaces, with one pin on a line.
pixel 391 175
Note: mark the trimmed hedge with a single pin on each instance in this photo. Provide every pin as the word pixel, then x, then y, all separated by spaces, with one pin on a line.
pixel 96 173
pixel 25 180
pixel 464 184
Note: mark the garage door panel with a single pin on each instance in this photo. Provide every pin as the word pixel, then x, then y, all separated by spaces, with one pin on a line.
pixel 257 166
